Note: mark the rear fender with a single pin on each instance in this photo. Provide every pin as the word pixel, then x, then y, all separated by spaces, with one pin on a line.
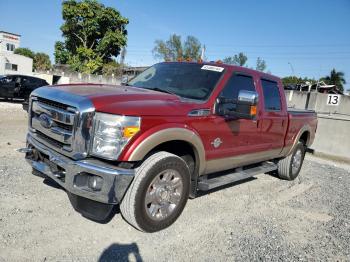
pixel 289 149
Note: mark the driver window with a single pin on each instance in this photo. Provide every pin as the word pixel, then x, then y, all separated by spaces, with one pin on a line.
pixel 24 80
pixel 236 83
pixel 6 80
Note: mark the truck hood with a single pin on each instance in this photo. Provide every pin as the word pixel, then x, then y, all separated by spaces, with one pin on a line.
pixel 127 100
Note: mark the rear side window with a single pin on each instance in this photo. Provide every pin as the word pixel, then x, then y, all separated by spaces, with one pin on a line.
pixel 272 98
pixel 236 83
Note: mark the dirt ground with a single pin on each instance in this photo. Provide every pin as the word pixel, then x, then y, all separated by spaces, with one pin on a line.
pixel 263 218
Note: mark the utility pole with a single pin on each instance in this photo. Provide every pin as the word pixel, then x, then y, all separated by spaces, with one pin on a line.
pixel 203 53
pixel 291 66
pixel 122 59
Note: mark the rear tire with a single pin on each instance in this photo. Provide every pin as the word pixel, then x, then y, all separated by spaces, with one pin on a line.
pixel 158 193
pixel 289 167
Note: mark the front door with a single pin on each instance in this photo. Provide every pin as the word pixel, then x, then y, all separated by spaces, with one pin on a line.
pixel 230 136
pixel 7 87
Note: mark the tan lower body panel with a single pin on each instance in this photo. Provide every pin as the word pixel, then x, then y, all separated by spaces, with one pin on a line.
pixel 221 164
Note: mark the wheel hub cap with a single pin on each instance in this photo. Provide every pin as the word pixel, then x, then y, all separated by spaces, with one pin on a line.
pixel 163 194
pixel 296 162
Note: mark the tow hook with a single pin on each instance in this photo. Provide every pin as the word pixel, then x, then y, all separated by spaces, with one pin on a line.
pixel 30 153
pixel 25 150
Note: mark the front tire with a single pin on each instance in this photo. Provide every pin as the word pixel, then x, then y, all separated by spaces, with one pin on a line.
pixel 289 167
pixel 158 193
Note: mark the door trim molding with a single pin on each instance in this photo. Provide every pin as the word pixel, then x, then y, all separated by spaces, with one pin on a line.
pixel 227 163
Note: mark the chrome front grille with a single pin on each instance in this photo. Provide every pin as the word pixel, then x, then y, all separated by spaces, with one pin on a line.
pixel 54 121
pixel 62 121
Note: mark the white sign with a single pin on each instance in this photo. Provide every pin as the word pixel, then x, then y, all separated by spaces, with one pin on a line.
pixel 213 68
pixel 333 100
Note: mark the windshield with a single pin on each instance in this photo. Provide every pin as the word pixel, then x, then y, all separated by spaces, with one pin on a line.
pixel 194 81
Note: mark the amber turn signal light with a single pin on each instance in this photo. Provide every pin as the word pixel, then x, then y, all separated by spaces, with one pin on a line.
pixel 253 110
pixel 130 131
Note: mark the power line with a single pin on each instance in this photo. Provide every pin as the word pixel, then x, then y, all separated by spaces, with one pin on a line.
pixel 273 45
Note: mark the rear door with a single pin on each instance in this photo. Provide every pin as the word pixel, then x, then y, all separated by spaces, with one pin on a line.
pixel 274 115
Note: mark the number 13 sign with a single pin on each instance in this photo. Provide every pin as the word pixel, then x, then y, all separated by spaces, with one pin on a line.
pixel 333 100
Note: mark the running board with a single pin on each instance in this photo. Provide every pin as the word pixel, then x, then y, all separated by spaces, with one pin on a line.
pixel 206 183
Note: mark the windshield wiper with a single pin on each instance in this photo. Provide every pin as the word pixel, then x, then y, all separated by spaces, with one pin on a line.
pixel 163 90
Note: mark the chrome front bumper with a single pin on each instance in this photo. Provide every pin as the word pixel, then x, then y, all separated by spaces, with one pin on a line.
pixel 115 180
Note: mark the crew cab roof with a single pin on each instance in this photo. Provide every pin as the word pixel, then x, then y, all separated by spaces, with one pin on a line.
pixel 235 68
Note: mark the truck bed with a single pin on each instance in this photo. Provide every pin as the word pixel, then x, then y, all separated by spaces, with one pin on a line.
pixel 299 119
pixel 300 111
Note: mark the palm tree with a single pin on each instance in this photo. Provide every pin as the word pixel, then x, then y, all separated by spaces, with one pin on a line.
pixel 336 78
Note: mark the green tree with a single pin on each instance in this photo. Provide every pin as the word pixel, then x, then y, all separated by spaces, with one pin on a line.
pixel 41 61
pixel 93 35
pixel 61 53
pixel 25 52
pixel 335 78
pixel 85 61
pixel 291 80
pixel 174 49
pixel 260 64
pixel 294 80
pixel 111 68
pixel 192 48
pixel 239 59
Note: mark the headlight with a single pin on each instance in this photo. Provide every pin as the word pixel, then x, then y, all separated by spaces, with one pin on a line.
pixel 112 133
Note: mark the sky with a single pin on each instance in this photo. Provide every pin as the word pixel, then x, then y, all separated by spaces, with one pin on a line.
pixel 303 37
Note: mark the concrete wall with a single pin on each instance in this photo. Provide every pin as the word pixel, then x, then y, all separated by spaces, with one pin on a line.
pixel 332 136
pixel 95 79
pixel 317 102
pixel 296 99
pixel 74 77
pixel 47 77
pixel 322 107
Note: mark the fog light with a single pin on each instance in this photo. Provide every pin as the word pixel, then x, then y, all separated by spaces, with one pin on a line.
pixel 95 183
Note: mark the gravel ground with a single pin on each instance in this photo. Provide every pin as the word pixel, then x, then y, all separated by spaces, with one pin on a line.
pixel 260 219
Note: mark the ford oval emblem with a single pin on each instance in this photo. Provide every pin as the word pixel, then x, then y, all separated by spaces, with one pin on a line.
pixel 45 121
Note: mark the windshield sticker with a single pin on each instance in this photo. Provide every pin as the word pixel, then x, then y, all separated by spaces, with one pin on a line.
pixel 213 68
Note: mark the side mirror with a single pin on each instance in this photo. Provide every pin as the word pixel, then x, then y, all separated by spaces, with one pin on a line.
pixel 248 97
pixel 125 80
pixel 243 107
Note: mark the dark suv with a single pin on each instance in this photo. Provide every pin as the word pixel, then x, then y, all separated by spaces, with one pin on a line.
pixel 19 86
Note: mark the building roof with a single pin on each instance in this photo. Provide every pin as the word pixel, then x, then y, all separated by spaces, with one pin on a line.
pixel 9 33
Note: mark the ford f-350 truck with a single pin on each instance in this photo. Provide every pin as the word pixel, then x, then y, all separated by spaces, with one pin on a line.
pixel 152 143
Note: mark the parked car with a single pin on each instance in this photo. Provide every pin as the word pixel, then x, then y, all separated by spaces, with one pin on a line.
pixel 19 86
pixel 150 145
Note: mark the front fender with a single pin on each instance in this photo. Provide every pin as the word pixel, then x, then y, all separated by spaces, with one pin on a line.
pixel 165 133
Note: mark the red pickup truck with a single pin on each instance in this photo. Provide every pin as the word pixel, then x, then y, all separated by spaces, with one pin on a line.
pixel 152 143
